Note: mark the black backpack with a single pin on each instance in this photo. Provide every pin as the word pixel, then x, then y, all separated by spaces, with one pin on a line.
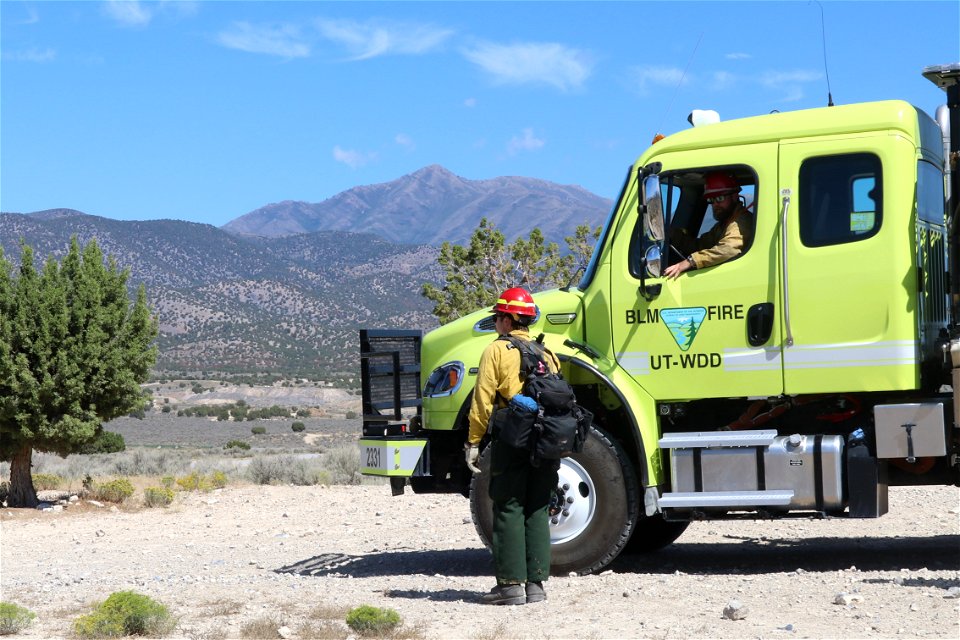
pixel 559 427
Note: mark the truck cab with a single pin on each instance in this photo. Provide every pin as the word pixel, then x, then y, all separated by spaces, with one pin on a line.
pixel 804 376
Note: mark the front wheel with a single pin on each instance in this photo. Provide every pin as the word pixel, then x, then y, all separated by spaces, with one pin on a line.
pixel 593 513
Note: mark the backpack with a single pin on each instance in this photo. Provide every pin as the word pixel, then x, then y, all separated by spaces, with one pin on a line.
pixel 559 426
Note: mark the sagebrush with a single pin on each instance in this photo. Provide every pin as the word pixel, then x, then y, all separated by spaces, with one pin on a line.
pixel 126 613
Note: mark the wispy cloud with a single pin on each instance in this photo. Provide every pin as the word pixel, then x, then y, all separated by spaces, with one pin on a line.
pixel 351 158
pixel 30 55
pixel 533 63
pixel 737 55
pixel 280 40
pixel 526 141
pixel 364 40
pixel 405 141
pixel 129 13
pixel 470 103
pixel 133 13
pixel 643 79
pixel 789 82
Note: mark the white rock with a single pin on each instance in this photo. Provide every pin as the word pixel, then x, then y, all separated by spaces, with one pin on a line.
pixel 284 632
pixel 735 610
pixel 952 593
pixel 847 599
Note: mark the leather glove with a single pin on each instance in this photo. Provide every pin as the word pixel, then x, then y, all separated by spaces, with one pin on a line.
pixel 471 453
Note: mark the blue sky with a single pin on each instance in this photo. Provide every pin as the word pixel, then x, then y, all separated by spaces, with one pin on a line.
pixel 204 111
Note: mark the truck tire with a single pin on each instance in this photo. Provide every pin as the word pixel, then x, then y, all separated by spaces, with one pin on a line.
pixel 653 533
pixel 597 486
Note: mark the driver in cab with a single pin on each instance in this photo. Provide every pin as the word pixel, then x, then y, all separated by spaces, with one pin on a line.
pixel 726 239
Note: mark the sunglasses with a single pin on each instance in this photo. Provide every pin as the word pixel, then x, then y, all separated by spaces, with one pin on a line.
pixel 718 198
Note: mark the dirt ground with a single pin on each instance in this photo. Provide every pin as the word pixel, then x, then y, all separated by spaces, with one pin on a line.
pixel 292 555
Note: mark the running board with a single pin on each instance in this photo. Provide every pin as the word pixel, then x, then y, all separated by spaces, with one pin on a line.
pixel 688 499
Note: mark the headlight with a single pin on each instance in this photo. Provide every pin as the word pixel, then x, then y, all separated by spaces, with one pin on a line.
pixel 444 381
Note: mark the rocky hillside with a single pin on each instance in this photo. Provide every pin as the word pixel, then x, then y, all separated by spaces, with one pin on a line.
pixel 432 205
pixel 226 303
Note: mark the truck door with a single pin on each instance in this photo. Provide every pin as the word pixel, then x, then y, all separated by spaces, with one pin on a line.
pixel 847 305
pixel 712 332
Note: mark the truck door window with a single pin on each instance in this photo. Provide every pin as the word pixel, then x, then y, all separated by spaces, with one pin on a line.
pixel 840 199
pixel 930 192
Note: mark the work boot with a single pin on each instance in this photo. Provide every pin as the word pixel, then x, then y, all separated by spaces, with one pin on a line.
pixel 505 594
pixel 535 592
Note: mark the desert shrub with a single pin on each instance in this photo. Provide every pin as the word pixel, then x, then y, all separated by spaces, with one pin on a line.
pixel 350 415
pixel 167 482
pixel 157 496
pixel 194 482
pixel 104 442
pixel 149 462
pixel 44 481
pixel 218 479
pixel 343 463
pixel 126 613
pixel 265 470
pixel 167 408
pixel 263 627
pixel 372 621
pixel 237 444
pixel 298 427
pixel 258 431
pixel 114 491
pixel 14 618
pixel 303 413
pixel 301 474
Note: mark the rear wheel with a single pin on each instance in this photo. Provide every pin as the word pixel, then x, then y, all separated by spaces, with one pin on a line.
pixel 592 514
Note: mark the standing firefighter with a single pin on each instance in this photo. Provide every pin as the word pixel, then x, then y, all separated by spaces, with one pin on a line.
pixel 519 489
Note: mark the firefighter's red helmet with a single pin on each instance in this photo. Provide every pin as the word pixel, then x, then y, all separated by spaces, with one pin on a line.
pixel 516 302
pixel 718 183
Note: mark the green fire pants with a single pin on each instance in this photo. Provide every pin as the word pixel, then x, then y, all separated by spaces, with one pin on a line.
pixel 521 496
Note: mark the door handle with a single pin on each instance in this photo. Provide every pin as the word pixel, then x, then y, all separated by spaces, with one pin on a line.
pixel 759 323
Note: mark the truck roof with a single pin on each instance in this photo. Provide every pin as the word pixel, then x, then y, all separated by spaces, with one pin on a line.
pixel 845 119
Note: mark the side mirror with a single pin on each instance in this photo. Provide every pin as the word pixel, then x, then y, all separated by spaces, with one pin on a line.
pixel 652 260
pixel 653 209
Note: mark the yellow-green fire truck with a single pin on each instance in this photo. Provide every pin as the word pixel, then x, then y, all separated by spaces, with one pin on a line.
pixel 802 378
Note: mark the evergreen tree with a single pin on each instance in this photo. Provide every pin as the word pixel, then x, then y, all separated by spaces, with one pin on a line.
pixel 73 352
pixel 476 273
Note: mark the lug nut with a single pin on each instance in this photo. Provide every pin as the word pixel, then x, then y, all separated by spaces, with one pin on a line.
pixel 566 487
pixel 566 512
pixel 569 499
pixel 554 521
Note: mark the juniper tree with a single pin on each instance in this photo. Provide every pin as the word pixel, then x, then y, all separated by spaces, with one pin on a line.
pixel 477 272
pixel 73 352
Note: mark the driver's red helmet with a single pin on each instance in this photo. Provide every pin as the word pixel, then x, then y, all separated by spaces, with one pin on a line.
pixel 517 302
pixel 719 183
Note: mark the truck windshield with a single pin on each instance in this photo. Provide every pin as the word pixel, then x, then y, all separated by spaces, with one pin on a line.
pixel 602 240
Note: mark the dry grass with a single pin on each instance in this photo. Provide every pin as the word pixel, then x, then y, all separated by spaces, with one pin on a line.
pixel 220 608
pixel 328 612
pixel 262 628
pixel 326 630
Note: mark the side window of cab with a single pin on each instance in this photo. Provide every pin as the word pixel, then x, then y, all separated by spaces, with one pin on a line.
pixel 690 214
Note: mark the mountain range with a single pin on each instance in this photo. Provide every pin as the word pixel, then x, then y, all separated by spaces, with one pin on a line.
pixel 285 288
pixel 432 205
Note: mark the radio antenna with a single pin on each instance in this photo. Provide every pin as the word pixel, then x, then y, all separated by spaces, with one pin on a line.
pixel 680 81
pixel 823 36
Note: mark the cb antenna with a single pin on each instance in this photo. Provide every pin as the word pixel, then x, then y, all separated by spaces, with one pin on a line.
pixel 680 82
pixel 823 37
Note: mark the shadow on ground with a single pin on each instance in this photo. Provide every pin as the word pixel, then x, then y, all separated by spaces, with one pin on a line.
pixel 744 556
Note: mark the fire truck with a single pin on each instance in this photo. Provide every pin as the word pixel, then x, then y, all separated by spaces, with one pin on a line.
pixel 802 378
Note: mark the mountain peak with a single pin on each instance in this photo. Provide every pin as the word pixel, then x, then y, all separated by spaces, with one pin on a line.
pixel 433 205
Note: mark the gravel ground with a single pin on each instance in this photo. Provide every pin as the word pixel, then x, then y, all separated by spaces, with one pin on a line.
pixel 298 555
